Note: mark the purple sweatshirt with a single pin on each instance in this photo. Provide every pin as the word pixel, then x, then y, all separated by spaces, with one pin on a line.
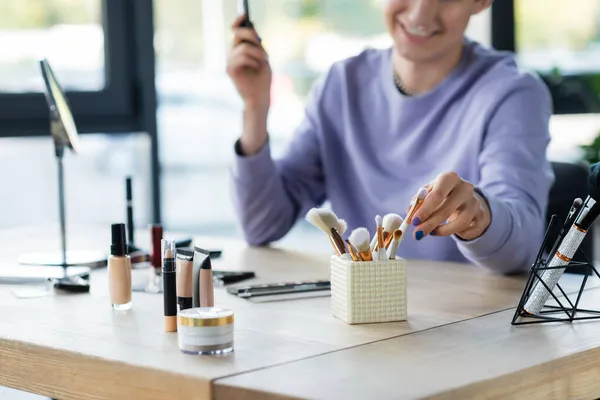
pixel 366 148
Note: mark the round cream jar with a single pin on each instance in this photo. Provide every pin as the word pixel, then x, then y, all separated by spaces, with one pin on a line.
pixel 205 330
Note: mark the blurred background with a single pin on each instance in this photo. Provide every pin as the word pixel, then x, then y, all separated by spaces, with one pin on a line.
pixel 198 112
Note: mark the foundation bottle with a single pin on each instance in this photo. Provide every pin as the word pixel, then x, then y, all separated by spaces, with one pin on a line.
pixel 119 269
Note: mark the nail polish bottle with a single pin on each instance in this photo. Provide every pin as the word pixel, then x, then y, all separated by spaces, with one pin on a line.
pixel 119 269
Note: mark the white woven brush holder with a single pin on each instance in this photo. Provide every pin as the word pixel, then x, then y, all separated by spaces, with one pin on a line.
pixel 368 292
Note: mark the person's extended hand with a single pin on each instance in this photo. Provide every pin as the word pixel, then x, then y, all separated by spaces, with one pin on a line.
pixel 454 200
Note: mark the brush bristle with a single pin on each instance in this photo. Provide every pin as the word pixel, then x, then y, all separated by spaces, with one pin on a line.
pixel 314 218
pixel 577 202
pixel 391 222
pixel 331 220
pixel 341 226
pixel 593 184
pixel 397 234
pixel 378 220
pixel 423 192
pixel 360 239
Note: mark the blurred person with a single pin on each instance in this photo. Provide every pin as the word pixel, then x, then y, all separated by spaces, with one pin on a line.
pixel 435 109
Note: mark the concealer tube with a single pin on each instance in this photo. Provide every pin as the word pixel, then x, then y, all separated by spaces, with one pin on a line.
pixel 169 284
pixel 185 270
pixel 207 297
pixel 119 269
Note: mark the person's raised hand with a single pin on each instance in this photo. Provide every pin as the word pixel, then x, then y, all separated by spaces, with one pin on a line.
pixel 249 68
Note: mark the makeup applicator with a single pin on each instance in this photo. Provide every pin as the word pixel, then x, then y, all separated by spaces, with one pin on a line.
pixel 381 253
pixel 391 222
pixel 359 238
pixel 415 204
pixel 557 262
pixel 331 225
pixel 391 252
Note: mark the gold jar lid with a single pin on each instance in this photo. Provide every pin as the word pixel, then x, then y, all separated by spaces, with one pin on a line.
pixel 205 316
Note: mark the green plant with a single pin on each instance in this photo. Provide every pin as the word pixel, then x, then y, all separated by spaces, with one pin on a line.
pixel 591 152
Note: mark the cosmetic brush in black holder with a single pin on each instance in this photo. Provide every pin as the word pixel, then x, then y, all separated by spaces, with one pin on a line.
pixel 565 309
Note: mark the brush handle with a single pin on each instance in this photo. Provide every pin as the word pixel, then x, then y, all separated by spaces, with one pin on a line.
pixel 380 242
pixel 388 239
pixel 373 245
pixel 334 245
pixel 393 249
pixel 338 241
pixel 366 255
pixel 403 229
pixel 355 256
pixel 382 254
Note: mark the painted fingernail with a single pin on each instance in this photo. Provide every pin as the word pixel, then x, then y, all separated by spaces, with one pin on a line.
pixel 419 235
pixel 416 221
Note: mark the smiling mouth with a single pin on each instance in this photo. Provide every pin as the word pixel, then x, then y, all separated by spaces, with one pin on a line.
pixel 417 32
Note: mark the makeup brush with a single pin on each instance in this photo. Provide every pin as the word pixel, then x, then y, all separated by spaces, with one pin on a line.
pixel 381 254
pixel 415 204
pixel 359 238
pixel 355 256
pixel 331 220
pixel 393 249
pixel 313 217
pixel 329 223
pixel 336 226
pixel 391 222
pixel 557 262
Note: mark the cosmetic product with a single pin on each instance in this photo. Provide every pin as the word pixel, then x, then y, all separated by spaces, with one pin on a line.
pixel 207 296
pixel 129 202
pixel 569 245
pixel 246 23
pixel 229 277
pixel 169 284
pixel 335 246
pixel 156 235
pixel 353 253
pixel 393 249
pixel 391 222
pixel 270 289
pixel 381 253
pixel 185 270
pixel 201 262
pixel 577 203
pixel 331 225
pixel 359 238
pixel 119 269
pixel 338 242
pixel 415 204
pixel 205 331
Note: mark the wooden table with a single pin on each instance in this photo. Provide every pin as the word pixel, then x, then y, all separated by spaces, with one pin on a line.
pixel 458 339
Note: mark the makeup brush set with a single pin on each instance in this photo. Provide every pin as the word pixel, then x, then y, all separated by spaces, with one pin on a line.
pixel 389 232
pixel 368 279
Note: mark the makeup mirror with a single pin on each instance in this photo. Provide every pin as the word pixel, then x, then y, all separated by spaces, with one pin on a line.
pixel 63 129
pixel 64 134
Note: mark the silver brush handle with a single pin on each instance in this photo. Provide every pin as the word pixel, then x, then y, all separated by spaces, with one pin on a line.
pixel 539 294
